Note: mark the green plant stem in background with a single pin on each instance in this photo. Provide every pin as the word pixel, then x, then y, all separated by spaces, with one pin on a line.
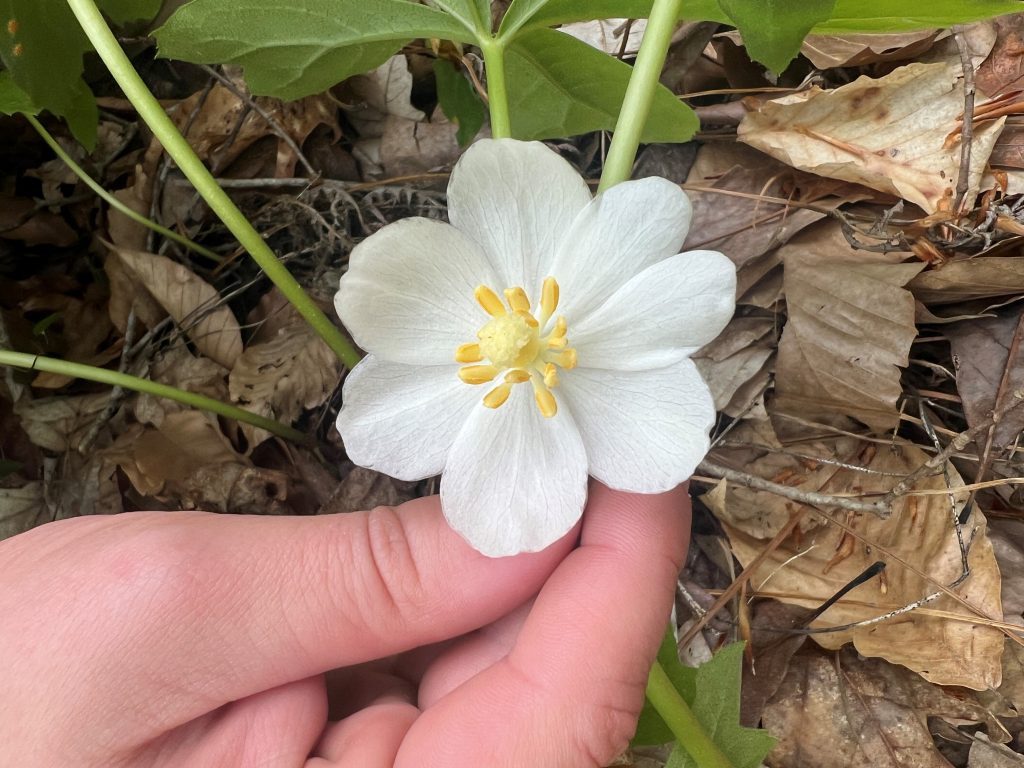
pixel 113 201
pixel 149 109
pixel 493 51
pixel 135 384
pixel 636 104
pixel 689 732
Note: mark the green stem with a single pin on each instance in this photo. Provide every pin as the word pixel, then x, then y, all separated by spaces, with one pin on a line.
pixel 149 109
pixel 643 83
pixel 136 384
pixel 688 730
pixel 112 200
pixel 493 50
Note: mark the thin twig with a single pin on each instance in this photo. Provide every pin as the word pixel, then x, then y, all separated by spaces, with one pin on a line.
pixel 967 124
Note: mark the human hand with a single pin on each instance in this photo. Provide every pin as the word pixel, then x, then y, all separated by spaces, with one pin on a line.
pixel 200 640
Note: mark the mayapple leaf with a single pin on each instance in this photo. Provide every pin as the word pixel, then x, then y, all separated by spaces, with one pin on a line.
pixel 13 99
pixel 474 14
pixel 459 101
pixel 298 49
pixel 774 30
pixel 123 11
pixel 547 13
pixel 713 692
pixel 559 86
pixel 852 16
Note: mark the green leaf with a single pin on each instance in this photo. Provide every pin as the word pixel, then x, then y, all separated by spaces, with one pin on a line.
pixel 122 11
pixel 774 30
pixel 888 16
pixel 13 99
pixel 717 705
pixel 546 13
pixel 459 101
pixel 559 86
pixel 474 14
pixel 291 50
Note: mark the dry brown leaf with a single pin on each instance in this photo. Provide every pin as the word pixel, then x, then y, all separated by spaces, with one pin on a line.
pixel 806 570
pixel 606 34
pixel 1007 538
pixel 21 219
pixel 21 508
pixel 384 91
pixel 981 350
pixel 365 489
pixel 1003 70
pixel 280 377
pixel 840 710
pixel 979 278
pixel 826 51
pixel 986 754
pixel 179 368
pixel 128 294
pixel 233 488
pixel 193 303
pixel 59 423
pixel 888 133
pixel 409 146
pixel 738 356
pixel 850 327
pixel 1008 151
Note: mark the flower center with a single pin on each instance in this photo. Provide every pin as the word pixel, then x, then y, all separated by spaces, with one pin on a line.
pixel 513 344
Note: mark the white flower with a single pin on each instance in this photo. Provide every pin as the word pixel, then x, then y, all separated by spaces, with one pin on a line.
pixel 540 337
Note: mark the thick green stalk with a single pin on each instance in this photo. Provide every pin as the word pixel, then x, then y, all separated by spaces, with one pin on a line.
pixel 112 201
pixel 135 384
pixel 149 109
pixel 690 734
pixel 636 105
pixel 493 50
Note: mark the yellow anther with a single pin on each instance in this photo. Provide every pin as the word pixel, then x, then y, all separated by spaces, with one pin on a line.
pixel 550 375
pixel 545 400
pixel 548 297
pixel 517 299
pixel 468 353
pixel 560 328
pixel 566 358
pixel 497 396
pixel 557 342
pixel 478 374
pixel 489 300
pixel 518 376
pixel 530 319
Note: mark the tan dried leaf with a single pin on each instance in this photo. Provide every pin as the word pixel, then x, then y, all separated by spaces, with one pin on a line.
pixel 979 278
pixel 278 378
pixel 889 134
pixel 59 423
pixel 917 538
pixel 21 509
pixel 850 327
pixel 365 489
pixel 607 34
pixel 845 711
pixel 736 357
pixel 826 51
pixel 193 303
pixel 179 368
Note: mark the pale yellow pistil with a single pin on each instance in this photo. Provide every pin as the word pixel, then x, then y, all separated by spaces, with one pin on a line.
pixel 510 343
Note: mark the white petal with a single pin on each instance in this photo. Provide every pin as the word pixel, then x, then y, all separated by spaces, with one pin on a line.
pixel 660 316
pixel 402 419
pixel 515 481
pixel 623 231
pixel 517 200
pixel 408 293
pixel 644 431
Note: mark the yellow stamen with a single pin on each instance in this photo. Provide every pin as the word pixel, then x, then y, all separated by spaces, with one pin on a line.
pixel 517 299
pixel 560 328
pixel 566 358
pixel 468 353
pixel 497 396
pixel 530 319
pixel 478 374
pixel 518 376
pixel 545 400
pixel 557 342
pixel 489 300
pixel 550 375
pixel 549 297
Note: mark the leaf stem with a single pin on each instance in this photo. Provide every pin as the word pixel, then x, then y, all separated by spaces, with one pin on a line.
pixel 688 730
pixel 136 384
pixel 493 50
pixel 106 45
pixel 111 200
pixel 636 105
